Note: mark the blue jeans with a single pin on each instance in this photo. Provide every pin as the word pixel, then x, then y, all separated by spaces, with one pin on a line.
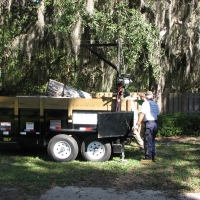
pixel 150 132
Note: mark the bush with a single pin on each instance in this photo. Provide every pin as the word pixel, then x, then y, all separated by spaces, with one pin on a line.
pixel 178 124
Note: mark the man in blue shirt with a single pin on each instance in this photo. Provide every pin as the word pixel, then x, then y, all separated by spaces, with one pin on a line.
pixel 149 115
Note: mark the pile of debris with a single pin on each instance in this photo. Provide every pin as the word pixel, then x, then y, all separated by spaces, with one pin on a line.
pixel 57 89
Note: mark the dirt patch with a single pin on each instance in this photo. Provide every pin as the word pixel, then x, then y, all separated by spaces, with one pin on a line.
pixel 179 139
pixel 16 194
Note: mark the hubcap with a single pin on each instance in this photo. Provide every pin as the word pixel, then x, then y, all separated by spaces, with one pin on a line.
pixel 95 150
pixel 62 150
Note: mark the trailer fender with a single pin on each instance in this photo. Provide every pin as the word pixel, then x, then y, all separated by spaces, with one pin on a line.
pixel 62 148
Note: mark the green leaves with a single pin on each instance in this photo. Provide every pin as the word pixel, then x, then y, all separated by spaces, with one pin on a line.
pixel 66 15
pixel 46 52
pixel 139 37
pixel 178 124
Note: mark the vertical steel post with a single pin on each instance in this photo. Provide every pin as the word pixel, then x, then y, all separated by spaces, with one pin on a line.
pixel 119 87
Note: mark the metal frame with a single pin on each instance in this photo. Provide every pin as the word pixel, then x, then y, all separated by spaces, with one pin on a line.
pixel 117 68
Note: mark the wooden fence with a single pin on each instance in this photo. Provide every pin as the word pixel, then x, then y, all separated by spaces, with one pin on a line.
pixel 181 102
pixel 188 103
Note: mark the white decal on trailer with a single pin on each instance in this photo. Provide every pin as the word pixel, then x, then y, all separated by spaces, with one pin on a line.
pixel 84 118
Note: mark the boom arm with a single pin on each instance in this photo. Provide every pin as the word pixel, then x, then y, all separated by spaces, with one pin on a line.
pixel 89 47
pixel 120 82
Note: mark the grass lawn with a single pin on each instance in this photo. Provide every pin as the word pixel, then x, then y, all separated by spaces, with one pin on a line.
pixel 30 172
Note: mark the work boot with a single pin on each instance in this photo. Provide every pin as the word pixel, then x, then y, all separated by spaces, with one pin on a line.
pixel 146 160
pixel 155 158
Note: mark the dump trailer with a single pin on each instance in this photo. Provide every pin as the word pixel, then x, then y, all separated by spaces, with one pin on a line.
pixel 67 126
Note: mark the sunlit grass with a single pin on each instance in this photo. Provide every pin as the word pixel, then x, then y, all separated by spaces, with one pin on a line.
pixel 31 170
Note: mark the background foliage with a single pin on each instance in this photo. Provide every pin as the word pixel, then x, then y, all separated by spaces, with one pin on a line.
pixel 178 124
pixel 42 41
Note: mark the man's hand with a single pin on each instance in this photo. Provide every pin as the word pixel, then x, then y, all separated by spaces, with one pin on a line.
pixel 135 127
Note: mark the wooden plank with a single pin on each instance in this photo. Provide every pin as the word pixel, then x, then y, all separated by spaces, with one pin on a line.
pixel 28 102
pixel 128 105
pixel 171 103
pixel 55 103
pixel 103 94
pixel 180 102
pixel 79 104
pixel 41 107
pixel 190 103
pixel 16 107
pixel 197 104
pixel 7 102
pixel 185 103
pixel 91 104
pixel 164 104
pixel 193 103
pixel 177 103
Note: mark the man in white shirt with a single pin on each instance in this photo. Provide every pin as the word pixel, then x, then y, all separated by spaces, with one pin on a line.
pixel 149 115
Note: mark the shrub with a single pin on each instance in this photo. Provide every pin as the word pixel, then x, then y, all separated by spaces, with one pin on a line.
pixel 178 124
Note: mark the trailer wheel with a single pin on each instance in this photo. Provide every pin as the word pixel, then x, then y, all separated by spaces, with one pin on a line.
pixel 94 149
pixel 62 148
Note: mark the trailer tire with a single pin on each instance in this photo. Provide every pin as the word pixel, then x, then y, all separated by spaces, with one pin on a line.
pixel 95 149
pixel 62 148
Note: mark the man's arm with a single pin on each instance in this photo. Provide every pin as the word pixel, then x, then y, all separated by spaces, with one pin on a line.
pixel 140 118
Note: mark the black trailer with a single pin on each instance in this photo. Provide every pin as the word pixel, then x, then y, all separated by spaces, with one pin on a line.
pixel 66 126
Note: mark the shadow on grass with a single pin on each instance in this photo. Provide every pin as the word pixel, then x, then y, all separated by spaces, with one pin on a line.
pixel 30 170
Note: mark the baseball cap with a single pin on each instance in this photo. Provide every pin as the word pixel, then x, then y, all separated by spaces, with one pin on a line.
pixel 149 94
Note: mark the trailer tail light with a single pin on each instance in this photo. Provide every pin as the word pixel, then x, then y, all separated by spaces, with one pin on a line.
pixel 85 128
pixel 55 124
pixel 29 125
pixel 5 126
pixel 58 127
pixel 32 131
pixel 29 130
